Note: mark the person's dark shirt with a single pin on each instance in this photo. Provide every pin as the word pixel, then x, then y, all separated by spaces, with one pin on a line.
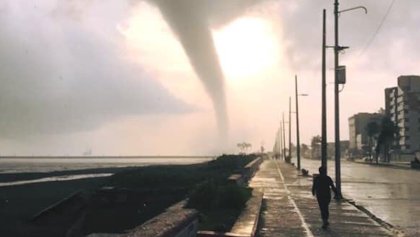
pixel 321 186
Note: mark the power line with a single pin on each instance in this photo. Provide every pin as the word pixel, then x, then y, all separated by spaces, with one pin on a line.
pixel 377 29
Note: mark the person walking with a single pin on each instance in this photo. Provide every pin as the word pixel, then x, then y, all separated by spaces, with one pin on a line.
pixel 321 187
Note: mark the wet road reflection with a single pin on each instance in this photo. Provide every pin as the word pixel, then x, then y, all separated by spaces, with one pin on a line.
pixel 391 194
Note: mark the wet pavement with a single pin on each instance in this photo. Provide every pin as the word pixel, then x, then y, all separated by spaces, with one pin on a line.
pixel 289 209
pixel 392 194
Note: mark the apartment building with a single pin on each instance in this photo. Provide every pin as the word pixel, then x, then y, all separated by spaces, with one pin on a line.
pixel 358 136
pixel 402 105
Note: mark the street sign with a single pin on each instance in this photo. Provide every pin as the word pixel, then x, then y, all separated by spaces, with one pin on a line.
pixel 341 74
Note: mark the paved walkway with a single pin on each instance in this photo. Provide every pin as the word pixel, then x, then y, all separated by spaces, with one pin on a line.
pixel 289 209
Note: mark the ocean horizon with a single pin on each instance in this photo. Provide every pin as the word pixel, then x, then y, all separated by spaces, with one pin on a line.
pixel 48 164
pixel 21 164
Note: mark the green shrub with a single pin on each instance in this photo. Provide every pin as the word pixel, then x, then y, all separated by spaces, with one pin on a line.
pixel 231 162
pixel 232 196
pixel 218 195
pixel 203 196
pixel 157 177
pixel 206 185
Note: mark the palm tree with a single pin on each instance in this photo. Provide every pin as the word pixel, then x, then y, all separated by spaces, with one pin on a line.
pixel 248 146
pixel 372 129
pixel 243 147
pixel 387 133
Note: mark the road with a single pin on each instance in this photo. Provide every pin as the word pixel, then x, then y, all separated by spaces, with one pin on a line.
pixel 391 194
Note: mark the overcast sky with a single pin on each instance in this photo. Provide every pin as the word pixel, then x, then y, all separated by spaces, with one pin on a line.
pixel 165 77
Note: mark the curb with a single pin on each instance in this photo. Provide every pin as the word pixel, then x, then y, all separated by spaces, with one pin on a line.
pixel 398 232
pixel 174 221
pixel 386 165
pixel 256 196
pixel 257 218
pixel 259 197
pixel 206 233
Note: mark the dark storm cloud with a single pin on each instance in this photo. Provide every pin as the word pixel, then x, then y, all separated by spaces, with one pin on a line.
pixel 64 74
pixel 62 71
pixel 191 21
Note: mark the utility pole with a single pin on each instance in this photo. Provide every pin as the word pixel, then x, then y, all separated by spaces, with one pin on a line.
pixel 290 128
pixel 339 78
pixel 297 125
pixel 337 104
pixel 324 103
pixel 284 139
pixel 280 141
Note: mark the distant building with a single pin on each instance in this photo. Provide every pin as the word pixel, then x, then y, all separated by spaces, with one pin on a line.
pixel 358 136
pixel 402 105
pixel 344 147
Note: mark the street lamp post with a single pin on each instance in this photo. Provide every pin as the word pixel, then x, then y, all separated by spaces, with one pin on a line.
pixel 337 105
pixel 297 124
pixel 337 49
pixel 284 139
pixel 324 103
pixel 290 128
pixel 281 141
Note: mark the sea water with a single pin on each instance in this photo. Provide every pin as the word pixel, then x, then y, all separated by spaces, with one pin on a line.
pixel 50 164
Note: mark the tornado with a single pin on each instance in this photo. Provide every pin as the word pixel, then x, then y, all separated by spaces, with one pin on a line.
pixel 189 21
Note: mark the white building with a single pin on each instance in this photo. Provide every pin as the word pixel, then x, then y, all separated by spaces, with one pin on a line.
pixel 402 105
pixel 358 136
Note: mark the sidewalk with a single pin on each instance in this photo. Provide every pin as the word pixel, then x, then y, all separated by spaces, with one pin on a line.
pixel 289 209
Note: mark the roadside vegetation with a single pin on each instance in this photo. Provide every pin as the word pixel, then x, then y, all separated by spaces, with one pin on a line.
pixel 124 200
pixel 148 191
pixel 219 204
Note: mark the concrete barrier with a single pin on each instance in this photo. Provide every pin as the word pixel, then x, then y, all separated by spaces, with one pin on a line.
pixel 246 173
pixel 251 168
pixel 218 234
pixel 246 224
pixel 237 179
pixel 176 221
